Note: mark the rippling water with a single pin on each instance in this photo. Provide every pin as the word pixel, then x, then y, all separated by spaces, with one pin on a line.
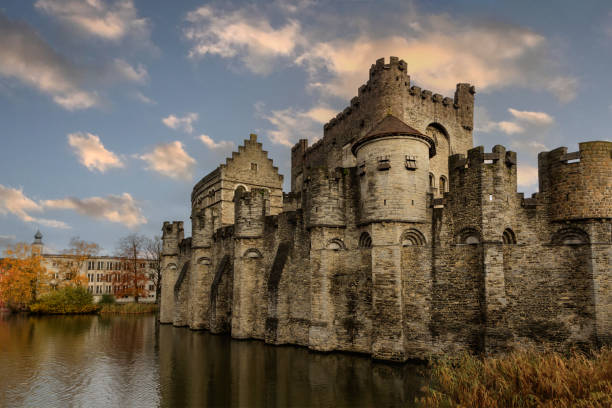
pixel 117 361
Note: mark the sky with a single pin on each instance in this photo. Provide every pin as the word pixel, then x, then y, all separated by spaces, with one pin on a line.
pixel 111 110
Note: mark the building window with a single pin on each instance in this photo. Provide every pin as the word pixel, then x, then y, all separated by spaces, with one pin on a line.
pixel 442 184
pixel 411 162
pixel 432 181
pixel 384 163
pixel 362 169
pixel 254 166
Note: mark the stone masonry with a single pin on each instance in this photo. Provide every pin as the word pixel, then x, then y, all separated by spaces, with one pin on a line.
pixel 399 239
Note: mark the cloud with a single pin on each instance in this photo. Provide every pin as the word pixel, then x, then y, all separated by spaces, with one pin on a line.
pixel 139 96
pixel 524 121
pixel 121 209
pixel 126 71
pixel 509 127
pixel 439 49
pixel 527 176
pixel 290 125
pixel 92 153
pixel 211 144
pixel 13 201
pixel 184 123
pixel 535 118
pixel 170 160
pixel 25 56
pixel 240 33
pixel 107 20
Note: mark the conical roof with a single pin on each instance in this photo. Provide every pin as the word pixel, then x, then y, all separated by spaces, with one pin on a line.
pixel 392 126
pixel 38 235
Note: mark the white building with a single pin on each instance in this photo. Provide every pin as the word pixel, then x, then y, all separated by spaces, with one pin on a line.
pixel 103 273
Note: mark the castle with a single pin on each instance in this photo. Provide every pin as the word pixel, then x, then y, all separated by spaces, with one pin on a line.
pixel 399 239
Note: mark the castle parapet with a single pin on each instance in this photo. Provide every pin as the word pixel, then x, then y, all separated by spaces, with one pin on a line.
pixel 578 185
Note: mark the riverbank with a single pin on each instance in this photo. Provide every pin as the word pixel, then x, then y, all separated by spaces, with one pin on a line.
pixel 129 308
pixel 522 379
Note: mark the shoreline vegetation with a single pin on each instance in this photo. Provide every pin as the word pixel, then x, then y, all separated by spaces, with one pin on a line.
pixel 129 308
pixel 526 378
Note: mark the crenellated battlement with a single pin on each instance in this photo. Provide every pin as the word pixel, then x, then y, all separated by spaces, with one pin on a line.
pixel 577 185
pixel 477 157
pixel 172 235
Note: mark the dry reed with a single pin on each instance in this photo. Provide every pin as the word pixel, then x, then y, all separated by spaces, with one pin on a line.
pixel 525 378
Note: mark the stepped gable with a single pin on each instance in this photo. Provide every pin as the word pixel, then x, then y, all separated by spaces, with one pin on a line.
pixel 392 126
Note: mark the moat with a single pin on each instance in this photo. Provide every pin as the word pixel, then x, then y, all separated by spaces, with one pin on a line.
pixel 99 361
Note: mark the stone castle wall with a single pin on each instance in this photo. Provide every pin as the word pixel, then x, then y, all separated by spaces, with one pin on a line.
pixel 376 260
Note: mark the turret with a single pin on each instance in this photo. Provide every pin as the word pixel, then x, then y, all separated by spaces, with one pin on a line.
pixel 37 245
pixel 393 166
pixel 577 184
pixel 250 209
pixel 172 235
pixel 325 198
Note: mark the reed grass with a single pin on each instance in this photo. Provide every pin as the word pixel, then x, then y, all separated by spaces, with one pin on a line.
pixel 129 308
pixel 525 378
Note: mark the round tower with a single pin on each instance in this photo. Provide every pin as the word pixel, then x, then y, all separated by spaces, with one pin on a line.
pixel 393 166
pixel 578 183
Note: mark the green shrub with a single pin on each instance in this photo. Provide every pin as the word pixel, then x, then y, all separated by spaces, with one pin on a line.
pixel 107 299
pixel 68 300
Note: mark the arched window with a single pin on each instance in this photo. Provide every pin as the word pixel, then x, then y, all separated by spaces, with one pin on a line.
pixel 508 237
pixel 335 245
pixel 468 236
pixel 443 186
pixel 413 237
pixel 239 191
pixel 570 236
pixel 432 180
pixel 365 241
pixel 252 253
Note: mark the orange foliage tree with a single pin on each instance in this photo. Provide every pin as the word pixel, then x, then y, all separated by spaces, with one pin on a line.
pixel 22 277
pixel 73 259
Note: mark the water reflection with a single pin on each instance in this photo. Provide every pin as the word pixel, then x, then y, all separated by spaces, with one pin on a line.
pixel 94 361
pixel 200 369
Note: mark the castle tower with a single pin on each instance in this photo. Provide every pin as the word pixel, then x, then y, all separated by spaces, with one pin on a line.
pixel 393 165
pixel 172 235
pixel 248 314
pixel 37 245
pixel 201 271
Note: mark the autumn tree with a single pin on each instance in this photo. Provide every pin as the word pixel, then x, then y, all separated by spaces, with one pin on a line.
pixel 22 277
pixel 153 253
pixel 73 259
pixel 133 276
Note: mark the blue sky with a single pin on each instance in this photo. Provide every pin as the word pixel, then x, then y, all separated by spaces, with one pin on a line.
pixel 110 110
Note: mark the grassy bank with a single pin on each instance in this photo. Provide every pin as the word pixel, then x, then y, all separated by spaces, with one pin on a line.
pixel 129 308
pixel 522 379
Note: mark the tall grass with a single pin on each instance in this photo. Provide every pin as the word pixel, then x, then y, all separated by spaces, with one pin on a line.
pixel 129 308
pixel 522 379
